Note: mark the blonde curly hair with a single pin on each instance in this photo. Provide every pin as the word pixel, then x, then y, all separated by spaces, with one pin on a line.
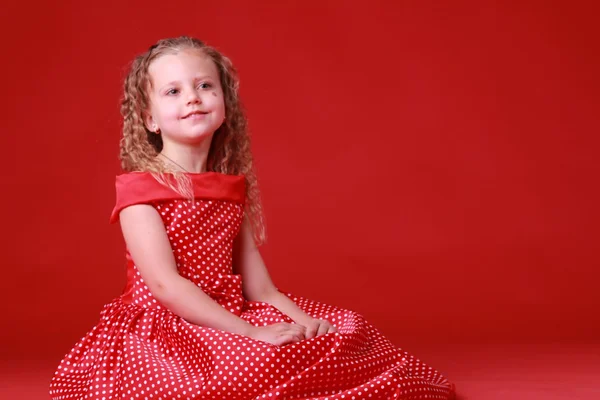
pixel 229 152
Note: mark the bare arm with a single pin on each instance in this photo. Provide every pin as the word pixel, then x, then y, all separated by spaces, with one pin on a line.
pixel 149 247
pixel 257 283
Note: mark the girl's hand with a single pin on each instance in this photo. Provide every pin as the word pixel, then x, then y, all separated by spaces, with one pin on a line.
pixel 278 334
pixel 318 327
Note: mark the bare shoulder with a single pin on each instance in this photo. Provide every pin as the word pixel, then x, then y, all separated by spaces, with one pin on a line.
pixel 139 217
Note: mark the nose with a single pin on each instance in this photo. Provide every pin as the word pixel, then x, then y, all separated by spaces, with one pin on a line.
pixel 193 97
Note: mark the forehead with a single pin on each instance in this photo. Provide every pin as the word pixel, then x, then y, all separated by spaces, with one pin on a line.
pixel 182 65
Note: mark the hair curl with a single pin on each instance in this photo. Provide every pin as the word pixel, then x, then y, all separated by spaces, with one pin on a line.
pixel 229 152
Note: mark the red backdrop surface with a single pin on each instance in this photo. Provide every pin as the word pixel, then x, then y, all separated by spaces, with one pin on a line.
pixel 431 166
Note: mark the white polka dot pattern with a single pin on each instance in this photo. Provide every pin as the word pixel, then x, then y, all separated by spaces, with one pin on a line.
pixel 141 350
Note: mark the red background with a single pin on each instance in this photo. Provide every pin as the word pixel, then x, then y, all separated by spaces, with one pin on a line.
pixel 431 166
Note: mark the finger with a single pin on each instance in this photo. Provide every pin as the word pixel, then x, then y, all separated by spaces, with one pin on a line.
pixel 283 340
pixel 298 328
pixel 311 331
pixel 332 329
pixel 297 334
pixel 283 327
pixel 323 328
pixel 286 339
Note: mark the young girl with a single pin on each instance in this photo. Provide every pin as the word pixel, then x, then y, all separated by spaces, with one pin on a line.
pixel 199 317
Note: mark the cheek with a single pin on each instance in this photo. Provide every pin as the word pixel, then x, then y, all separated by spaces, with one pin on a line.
pixel 169 112
pixel 221 98
pixel 217 100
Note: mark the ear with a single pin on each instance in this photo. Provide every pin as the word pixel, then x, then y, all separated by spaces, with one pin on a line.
pixel 151 125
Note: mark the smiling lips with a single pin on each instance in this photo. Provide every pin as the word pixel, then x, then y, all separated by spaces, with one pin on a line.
pixel 195 115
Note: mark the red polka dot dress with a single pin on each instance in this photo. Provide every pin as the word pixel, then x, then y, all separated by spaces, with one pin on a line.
pixel 141 350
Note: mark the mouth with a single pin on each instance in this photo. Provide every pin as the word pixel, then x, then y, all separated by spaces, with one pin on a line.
pixel 195 114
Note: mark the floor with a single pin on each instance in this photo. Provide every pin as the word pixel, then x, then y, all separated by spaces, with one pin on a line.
pixel 520 372
pixel 492 372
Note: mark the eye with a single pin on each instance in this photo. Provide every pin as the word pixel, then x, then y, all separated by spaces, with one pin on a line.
pixel 172 91
pixel 205 85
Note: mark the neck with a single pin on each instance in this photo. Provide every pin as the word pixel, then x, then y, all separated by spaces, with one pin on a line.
pixel 190 158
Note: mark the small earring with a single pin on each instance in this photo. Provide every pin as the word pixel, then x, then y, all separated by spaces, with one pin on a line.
pixel 157 131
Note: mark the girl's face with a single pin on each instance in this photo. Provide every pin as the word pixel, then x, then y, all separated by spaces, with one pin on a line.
pixel 186 97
